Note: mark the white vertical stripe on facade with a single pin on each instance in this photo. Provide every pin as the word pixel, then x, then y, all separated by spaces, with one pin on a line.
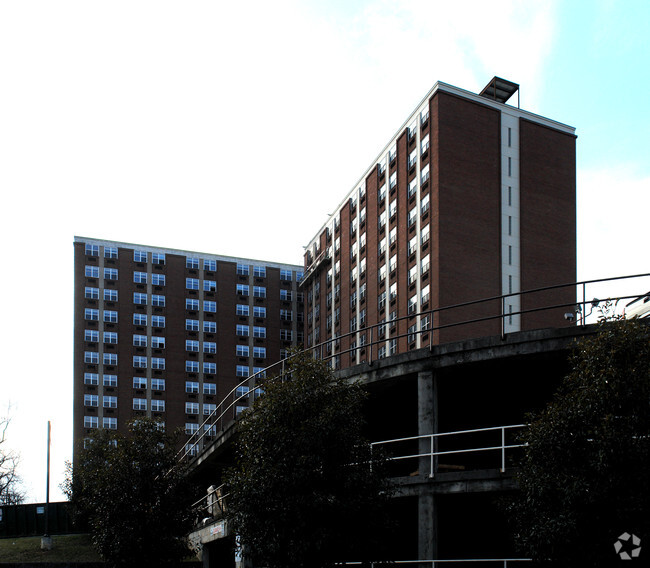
pixel 510 217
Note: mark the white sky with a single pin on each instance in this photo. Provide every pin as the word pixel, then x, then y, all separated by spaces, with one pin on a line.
pixel 203 125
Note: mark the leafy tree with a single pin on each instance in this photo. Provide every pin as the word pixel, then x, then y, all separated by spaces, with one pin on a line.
pixel 584 479
pixel 134 496
pixel 303 492
pixel 10 491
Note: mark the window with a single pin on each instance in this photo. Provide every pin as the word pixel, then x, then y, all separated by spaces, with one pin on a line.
pixel 210 326
pixel 259 291
pixel 91 400
pixel 91 379
pixel 286 335
pixel 412 129
pixel 110 316
pixel 381 300
pixel 209 368
pixel 191 262
pixel 362 318
pixel 209 347
pixel 91 335
pixel 353 323
pixel 91 293
pixel 91 357
pixel 413 156
pixel 242 350
pixel 381 194
pixel 286 275
pixel 210 265
pixel 110 337
pixel 192 366
pixel 242 269
pixel 424 323
pixel 110 252
pixel 192 283
pixel 242 330
pixel 299 275
pixel 392 153
pixel 158 300
pixel 425 294
pixel 209 306
pixel 285 295
pixel 424 204
pixel 242 392
pixel 110 273
pixel 392 208
pixel 259 271
pixel 139 362
pixel 110 295
pixel 92 271
pixel 191 304
pixel 158 279
pixel 412 216
pixel 109 401
pixel 139 256
pixel 259 332
pixel 382 352
pixel 109 423
pixel 424 174
pixel 242 370
pixel 392 237
pixel 413 243
pixel 392 263
pixel 209 285
pixel 424 234
pixel 242 310
pixel 140 277
pixel 157 258
pixel 191 387
pixel 158 321
pixel 413 274
pixel 158 384
pixel 139 404
pixel 413 304
pixel 209 409
pixel 393 291
pixel 392 182
pixel 286 315
pixel 139 299
pixel 191 345
pixel 192 408
pixel 413 187
pixel 139 319
pixel 157 405
pixel 381 274
pixel 362 291
pixel 259 311
pixel 259 352
pixel 91 422
pixel 209 388
pixel 242 289
pixel 91 315
pixel 139 383
pixel 92 250
pixel 382 219
pixel 191 427
pixel 424 264
pixel 158 363
pixel 109 380
pixel 424 144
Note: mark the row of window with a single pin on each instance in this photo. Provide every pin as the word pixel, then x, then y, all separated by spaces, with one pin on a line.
pixel 91 293
pixel 107 422
pixel 93 336
pixel 208 326
pixel 93 379
pixel 156 279
pixel 93 272
pixel 244 331
pixel 244 351
pixel 194 263
pixel 109 252
pixel 192 387
pixel 92 358
pixel 194 284
pixel 258 291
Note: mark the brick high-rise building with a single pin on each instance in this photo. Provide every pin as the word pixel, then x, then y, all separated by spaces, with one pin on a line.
pixel 471 199
pixel 168 333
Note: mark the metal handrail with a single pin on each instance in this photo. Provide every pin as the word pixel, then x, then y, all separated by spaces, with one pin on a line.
pixel 431 454
pixel 216 420
pixel 505 562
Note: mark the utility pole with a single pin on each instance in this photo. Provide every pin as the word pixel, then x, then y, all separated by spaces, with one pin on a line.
pixel 46 541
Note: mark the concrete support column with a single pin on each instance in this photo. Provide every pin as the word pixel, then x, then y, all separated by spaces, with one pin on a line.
pixel 427 424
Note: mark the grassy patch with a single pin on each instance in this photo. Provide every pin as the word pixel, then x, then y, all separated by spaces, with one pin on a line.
pixel 66 548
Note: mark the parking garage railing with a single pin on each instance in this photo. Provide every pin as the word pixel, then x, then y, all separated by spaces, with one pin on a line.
pixel 579 313
pixel 428 447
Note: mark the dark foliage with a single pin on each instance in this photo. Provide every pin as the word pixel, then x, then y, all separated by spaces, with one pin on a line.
pixel 303 492
pixel 136 503
pixel 10 489
pixel 585 476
